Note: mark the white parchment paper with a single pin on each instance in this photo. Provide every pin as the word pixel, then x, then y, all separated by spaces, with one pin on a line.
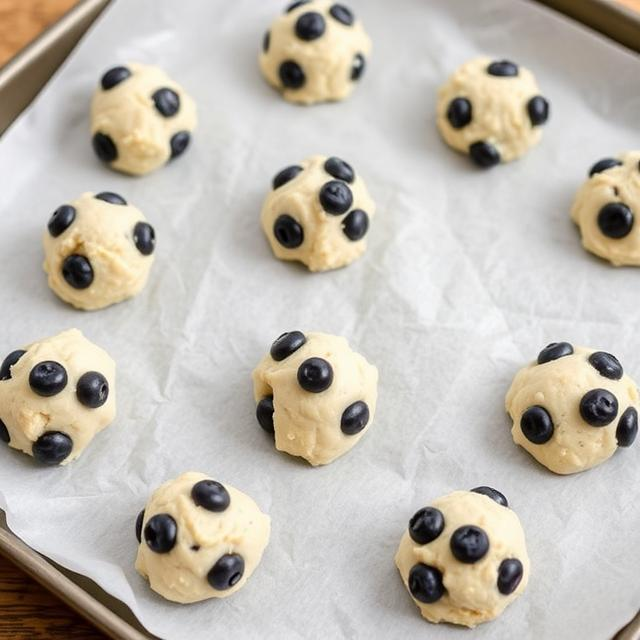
pixel 468 274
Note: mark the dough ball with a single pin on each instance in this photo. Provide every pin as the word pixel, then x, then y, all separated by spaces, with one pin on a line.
pixel 463 559
pixel 318 213
pixel 315 394
pixel 55 395
pixel 140 118
pixel 605 209
pixel 199 539
pixel 491 110
pixel 98 250
pixel 315 52
pixel 573 407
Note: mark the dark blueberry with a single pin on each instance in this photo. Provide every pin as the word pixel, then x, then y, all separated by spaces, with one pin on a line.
pixel 315 375
pixel 606 364
pixel 92 389
pixel 266 41
pixel 104 147
pixel 77 271
pixel 336 197
pixel 161 533
pixel 264 414
pixel 503 68
pixel 354 418
pixel 459 113
pixel 484 154
pixel 286 344
pixel 509 576
pixel 603 165
pixel 48 378
pixel 139 520
pixel 167 102
pixel 355 225
pixel 111 198
pixel 4 432
pixel 469 544
pixel 538 110
pixel 554 351
pixel 536 425
pixel 358 67
pixel 426 525
pixel 114 76
pixel 8 362
pixel 61 219
pixel 286 175
pixel 291 75
pixel 179 143
pixel 598 407
pixel 310 26
pixel 288 231
pixel 339 169
pixel 627 429
pixel 144 237
pixel 52 447
pixel 615 220
pixel 342 14
pixel 295 5
pixel 425 583
pixel 494 494
pixel 210 495
pixel 226 572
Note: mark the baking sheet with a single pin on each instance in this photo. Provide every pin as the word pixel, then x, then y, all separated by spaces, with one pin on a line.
pixel 467 275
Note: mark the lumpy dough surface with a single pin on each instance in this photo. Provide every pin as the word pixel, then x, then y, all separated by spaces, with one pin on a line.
pixel 199 539
pixel 315 52
pixel 318 213
pixel 491 110
pixel 468 560
pixel 573 407
pixel 316 394
pixel 140 118
pixel 605 209
pixel 98 251
pixel 55 396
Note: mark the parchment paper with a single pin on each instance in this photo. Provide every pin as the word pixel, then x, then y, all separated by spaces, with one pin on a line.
pixel 468 274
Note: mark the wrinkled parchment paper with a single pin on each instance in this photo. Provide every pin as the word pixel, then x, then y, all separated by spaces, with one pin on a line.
pixel 468 274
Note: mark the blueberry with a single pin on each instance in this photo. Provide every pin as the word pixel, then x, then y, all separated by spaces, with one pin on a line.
pixel 459 113
pixel 339 169
pixel 509 576
pixel 266 41
pixel 315 375
pixel 425 583
pixel 503 68
pixel 227 572
pixel 606 365
pixel 114 76
pixel 77 271
pixel 4 433
pixel 167 102
pixel 627 429
pixel 104 147
pixel 310 26
pixel 469 544
pixel 8 362
pixel 92 389
pixel 161 533
pixel 52 447
pixel 286 344
pixel 598 407
pixel 61 219
pixel 494 494
pixel 336 197
pixel 538 110
pixel 179 143
pixel 603 165
pixel 615 220
pixel 342 14
pixel 139 521
pixel 210 495
pixel 286 175
pixel 48 378
pixel 484 154
pixel 426 525
pixel 355 225
pixel 144 237
pixel 111 198
pixel 554 351
pixel 288 231
pixel 264 414
pixel 295 5
pixel 358 66
pixel 354 418
pixel 537 425
pixel 291 75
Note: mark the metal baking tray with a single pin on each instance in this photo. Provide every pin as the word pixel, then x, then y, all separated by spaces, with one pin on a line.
pixel 20 81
